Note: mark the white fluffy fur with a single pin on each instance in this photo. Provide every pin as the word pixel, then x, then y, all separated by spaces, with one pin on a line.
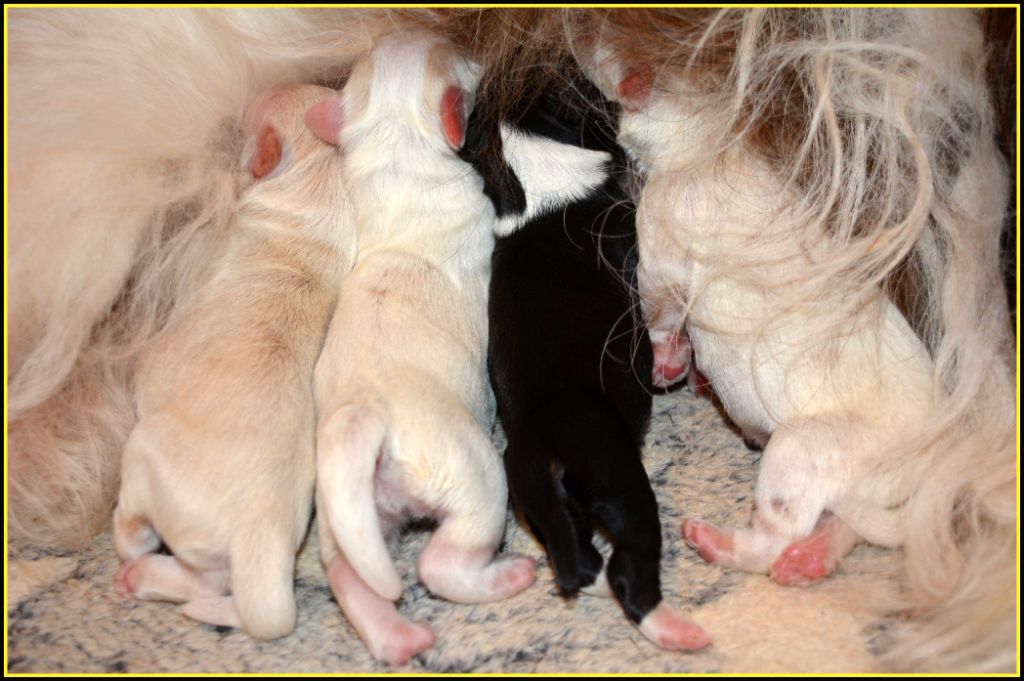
pixel 123 133
pixel 552 174
pixel 220 466
pixel 405 408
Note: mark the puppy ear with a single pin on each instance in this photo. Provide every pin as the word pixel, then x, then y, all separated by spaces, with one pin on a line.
pixel 325 119
pixel 268 153
pixel 634 91
pixel 454 112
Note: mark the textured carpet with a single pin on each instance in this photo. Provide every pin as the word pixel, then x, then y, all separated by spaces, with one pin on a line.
pixel 64 615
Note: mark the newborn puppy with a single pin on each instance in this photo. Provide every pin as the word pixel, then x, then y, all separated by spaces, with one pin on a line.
pixel 405 408
pixel 570 363
pixel 829 402
pixel 220 466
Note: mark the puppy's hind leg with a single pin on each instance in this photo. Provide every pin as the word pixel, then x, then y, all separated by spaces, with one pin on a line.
pixel 458 561
pixel 613 480
pixel 390 637
pixel 551 514
pixel 133 535
pixel 134 538
pixel 803 471
pixel 155 577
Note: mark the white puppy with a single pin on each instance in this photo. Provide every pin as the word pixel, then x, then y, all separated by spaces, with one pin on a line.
pixel 405 407
pixel 221 464
pixel 833 399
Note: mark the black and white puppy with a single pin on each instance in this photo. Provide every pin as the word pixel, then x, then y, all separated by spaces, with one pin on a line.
pixel 568 356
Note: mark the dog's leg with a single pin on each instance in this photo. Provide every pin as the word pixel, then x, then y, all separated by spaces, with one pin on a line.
pixel 219 611
pixel 553 517
pixel 390 637
pixel 469 573
pixel 619 495
pixel 164 578
pixel 593 580
pixel 808 560
pixel 805 465
pixel 458 562
pixel 133 535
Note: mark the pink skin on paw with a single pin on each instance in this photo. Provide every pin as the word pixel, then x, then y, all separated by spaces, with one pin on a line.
pixel 707 540
pixel 814 557
pixel 390 637
pixel 122 580
pixel 802 563
pixel 669 631
pixel 402 640
pixel 516 573
pixel 671 360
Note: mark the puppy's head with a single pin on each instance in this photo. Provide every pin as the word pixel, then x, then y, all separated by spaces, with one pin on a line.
pixel 277 138
pixel 412 91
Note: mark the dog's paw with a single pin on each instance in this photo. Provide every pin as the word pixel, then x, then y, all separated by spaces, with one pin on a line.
pixel 668 630
pixel 802 563
pixel 123 582
pixel 401 641
pixel 814 557
pixel 600 587
pixel 512 574
pixel 711 543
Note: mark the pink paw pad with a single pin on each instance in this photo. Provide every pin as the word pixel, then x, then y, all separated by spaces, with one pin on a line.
pixel 403 642
pixel 804 562
pixel 669 631
pixel 671 360
pixel 707 540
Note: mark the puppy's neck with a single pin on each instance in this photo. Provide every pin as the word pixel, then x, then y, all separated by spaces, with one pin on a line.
pixel 307 201
pixel 552 174
pixel 419 198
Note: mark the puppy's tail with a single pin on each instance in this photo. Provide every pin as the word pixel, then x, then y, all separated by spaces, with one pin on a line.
pixel 262 581
pixel 350 442
pixel 535 491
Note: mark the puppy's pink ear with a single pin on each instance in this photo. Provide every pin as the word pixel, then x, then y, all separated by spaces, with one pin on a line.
pixel 268 153
pixel 325 119
pixel 635 89
pixel 453 116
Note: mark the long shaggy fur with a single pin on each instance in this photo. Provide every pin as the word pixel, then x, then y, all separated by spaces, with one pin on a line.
pixel 123 126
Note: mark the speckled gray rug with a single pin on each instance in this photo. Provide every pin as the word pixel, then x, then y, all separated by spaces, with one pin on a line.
pixel 63 614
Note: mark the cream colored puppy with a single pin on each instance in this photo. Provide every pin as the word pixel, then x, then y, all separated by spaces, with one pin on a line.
pixel 831 396
pixel 220 467
pixel 405 406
